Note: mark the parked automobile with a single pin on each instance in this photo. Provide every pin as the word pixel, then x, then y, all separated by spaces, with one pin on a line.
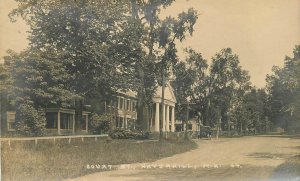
pixel 205 132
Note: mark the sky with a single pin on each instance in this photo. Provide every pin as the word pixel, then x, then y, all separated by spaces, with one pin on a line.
pixel 260 32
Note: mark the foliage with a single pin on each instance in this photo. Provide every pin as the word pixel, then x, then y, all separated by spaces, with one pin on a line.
pixel 252 114
pixel 227 80
pixel 35 80
pixel 189 84
pixel 128 134
pixel 215 96
pixel 284 90
pixel 5 77
pixel 69 57
pixel 112 45
pixel 29 121
pixel 156 40
pixel 100 123
pixel 80 33
pixel 39 79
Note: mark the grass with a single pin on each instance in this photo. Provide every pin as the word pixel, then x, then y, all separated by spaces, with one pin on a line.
pixel 23 160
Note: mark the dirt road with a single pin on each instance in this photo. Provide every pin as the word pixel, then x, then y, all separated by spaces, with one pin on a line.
pixel 246 158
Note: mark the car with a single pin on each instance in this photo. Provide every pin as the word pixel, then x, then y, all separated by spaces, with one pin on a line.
pixel 205 132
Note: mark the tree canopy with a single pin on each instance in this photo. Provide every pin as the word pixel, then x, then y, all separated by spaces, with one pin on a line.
pixel 283 86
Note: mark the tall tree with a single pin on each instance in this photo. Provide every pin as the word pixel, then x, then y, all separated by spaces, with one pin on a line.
pixel 80 35
pixel 158 43
pixel 284 89
pixel 37 82
pixel 227 80
pixel 189 85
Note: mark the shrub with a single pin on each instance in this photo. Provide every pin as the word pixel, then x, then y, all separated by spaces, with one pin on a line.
pixel 100 123
pixel 128 134
pixel 29 121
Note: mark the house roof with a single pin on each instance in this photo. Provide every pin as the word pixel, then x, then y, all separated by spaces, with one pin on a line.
pixel 169 93
pixel 128 93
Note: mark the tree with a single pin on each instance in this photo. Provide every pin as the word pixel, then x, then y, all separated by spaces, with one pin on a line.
pixel 158 42
pixel 107 43
pixel 79 35
pixel 284 90
pixel 255 106
pixel 37 82
pixel 5 86
pixel 189 85
pixel 227 80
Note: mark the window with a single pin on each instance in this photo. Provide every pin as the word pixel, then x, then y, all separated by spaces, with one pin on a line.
pixel 51 119
pixel 117 122
pixel 11 117
pixel 121 103
pixel 189 127
pixel 128 105
pixel 66 121
pixel 178 127
pixel 83 121
pixel 133 106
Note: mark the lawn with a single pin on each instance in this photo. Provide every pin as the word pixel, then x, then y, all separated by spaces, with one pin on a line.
pixel 48 160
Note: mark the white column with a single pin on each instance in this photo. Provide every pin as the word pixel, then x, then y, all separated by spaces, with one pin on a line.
pixel 58 123
pixel 125 121
pixel 167 119
pixel 173 119
pixel 157 116
pixel 164 118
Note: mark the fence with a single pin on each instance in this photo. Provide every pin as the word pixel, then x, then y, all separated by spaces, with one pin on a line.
pixel 54 138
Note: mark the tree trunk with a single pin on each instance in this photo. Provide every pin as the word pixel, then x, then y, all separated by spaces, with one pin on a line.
pixel 218 128
pixel 142 111
pixel 241 128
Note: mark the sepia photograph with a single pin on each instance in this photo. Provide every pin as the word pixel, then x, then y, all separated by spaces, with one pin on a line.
pixel 128 90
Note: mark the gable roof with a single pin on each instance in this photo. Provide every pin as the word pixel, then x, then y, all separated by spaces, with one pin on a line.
pixel 169 93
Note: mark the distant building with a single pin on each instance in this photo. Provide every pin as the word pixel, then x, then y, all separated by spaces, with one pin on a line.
pixel 192 125
pixel 126 114
pixel 163 115
pixel 59 121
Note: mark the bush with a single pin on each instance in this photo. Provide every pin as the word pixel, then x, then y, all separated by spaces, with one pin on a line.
pixel 128 134
pixel 100 123
pixel 29 121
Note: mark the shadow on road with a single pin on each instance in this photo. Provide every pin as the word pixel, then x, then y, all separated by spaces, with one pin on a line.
pixel 266 155
pixel 289 170
pixel 294 136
